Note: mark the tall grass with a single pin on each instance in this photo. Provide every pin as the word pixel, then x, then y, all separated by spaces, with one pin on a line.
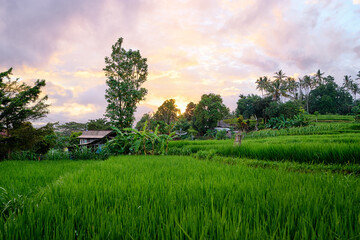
pixel 21 180
pixel 328 149
pixel 308 130
pixel 332 118
pixel 138 197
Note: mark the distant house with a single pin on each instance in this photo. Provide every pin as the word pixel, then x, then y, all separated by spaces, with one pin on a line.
pixel 95 139
pixel 221 125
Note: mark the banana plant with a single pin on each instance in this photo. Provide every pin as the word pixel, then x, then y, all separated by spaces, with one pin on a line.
pixel 130 140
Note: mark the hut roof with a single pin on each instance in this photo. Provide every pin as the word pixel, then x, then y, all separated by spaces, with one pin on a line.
pixel 94 134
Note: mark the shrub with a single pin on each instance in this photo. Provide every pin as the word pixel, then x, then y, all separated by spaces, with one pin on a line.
pixel 57 154
pixel 221 135
pixel 282 122
pixel 24 155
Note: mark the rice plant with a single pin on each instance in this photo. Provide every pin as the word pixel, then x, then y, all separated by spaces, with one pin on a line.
pixel 167 197
pixel 328 149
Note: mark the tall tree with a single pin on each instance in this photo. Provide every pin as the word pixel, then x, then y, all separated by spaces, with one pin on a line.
pixel 307 85
pixel 69 127
pixel 330 98
pixel 19 103
pixel 189 112
pixel 262 84
pixel 318 78
pixel 347 82
pixel 351 85
pixel 355 89
pixel 278 87
pixel 245 105
pixel 292 87
pixel 358 76
pixel 167 112
pixel 280 75
pixel 208 112
pixel 98 124
pixel 125 72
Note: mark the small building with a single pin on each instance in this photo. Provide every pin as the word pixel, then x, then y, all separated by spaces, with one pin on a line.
pixel 95 139
pixel 221 126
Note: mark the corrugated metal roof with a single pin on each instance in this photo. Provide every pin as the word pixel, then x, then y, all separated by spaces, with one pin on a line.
pixel 94 134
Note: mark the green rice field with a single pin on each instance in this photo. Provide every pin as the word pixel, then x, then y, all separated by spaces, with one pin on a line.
pixel 175 197
pixel 335 143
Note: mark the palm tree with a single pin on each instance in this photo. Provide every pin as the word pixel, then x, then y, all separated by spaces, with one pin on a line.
pixel 278 87
pixel 357 85
pixel 292 86
pixel 358 76
pixel 307 85
pixel 301 87
pixel 318 78
pixel 280 75
pixel 347 82
pixel 355 89
pixel 262 84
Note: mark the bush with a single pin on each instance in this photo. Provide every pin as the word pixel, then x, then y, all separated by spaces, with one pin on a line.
pixel 282 122
pixel 56 154
pixel 221 135
pixel 24 155
pixel 88 153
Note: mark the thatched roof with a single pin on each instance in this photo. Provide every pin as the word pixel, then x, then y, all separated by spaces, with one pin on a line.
pixel 94 134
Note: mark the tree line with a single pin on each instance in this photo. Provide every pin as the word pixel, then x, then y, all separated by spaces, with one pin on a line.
pixel 127 70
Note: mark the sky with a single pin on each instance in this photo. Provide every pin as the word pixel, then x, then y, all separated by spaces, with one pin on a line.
pixel 193 47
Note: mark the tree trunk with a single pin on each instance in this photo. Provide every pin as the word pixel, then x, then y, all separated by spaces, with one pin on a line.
pixel 307 103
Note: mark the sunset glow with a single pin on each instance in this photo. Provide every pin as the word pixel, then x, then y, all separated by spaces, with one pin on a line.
pixel 192 47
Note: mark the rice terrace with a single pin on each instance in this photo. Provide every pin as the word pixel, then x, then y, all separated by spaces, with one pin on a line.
pixel 238 119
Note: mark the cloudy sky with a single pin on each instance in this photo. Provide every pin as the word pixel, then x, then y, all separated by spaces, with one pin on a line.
pixel 193 47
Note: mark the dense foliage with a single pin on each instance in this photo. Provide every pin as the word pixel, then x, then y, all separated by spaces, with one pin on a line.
pixel 20 103
pixel 208 112
pixel 126 71
pixel 131 141
pixel 168 112
pixel 330 98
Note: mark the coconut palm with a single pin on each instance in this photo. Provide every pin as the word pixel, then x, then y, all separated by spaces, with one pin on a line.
pixel 347 82
pixel 301 87
pixel 262 84
pixel 354 89
pixel 292 87
pixel 318 78
pixel 280 75
pixel 307 85
pixel 278 87
pixel 358 76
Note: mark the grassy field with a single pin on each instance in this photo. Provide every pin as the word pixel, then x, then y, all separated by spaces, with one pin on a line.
pixel 176 197
pixel 325 143
pixel 332 118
